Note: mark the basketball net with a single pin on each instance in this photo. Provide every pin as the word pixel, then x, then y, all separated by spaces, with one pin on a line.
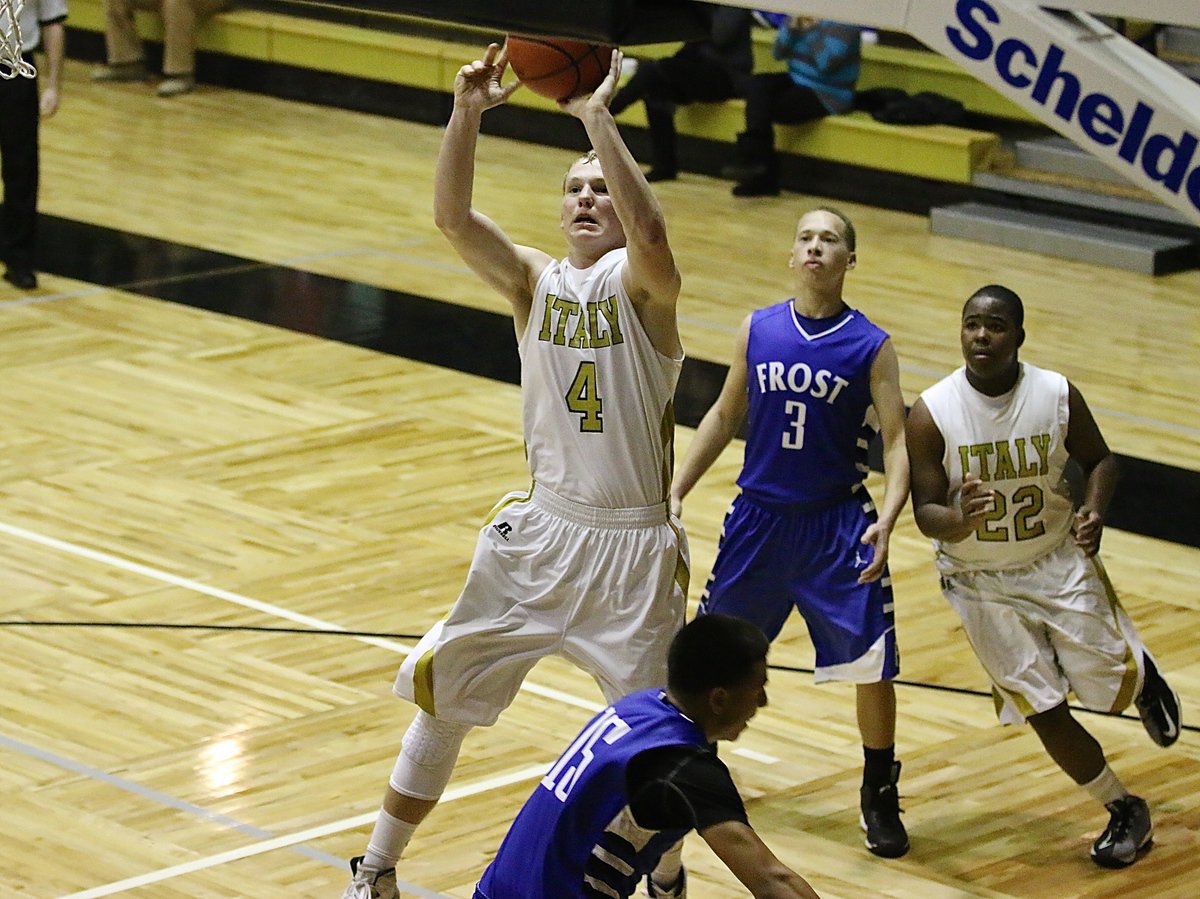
pixel 11 63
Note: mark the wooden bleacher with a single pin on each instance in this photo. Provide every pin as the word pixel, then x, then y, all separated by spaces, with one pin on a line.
pixel 389 55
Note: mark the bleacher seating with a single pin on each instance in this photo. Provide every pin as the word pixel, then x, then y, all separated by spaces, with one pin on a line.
pixel 389 55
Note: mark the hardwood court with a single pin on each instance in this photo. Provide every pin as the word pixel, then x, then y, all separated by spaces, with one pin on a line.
pixel 163 464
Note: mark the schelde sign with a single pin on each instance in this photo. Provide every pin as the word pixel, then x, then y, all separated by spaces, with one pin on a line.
pixel 1125 116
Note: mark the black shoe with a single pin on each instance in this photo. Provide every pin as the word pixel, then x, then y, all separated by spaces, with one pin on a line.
pixel 740 171
pixel 24 278
pixel 762 185
pixel 880 818
pixel 659 174
pixel 1128 835
pixel 1158 707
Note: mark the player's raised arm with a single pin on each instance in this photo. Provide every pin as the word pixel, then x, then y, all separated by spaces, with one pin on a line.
pixel 651 277
pixel 489 252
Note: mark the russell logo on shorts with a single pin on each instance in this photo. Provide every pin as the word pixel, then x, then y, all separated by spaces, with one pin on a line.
pixel 503 528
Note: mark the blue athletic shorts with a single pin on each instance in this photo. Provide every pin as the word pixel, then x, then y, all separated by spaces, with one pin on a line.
pixel 771 561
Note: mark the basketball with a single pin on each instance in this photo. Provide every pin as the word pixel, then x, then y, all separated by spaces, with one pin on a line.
pixel 558 67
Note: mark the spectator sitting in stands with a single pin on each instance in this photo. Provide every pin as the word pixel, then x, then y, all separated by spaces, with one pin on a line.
pixel 823 63
pixel 181 20
pixel 704 71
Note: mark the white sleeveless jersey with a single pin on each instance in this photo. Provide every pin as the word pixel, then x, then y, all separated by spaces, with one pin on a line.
pixel 598 397
pixel 1016 443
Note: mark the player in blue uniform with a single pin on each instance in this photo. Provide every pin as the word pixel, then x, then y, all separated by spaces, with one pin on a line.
pixel 816 379
pixel 642 774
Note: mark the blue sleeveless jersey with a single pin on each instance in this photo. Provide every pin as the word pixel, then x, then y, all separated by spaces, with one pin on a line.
pixel 575 836
pixel 809 388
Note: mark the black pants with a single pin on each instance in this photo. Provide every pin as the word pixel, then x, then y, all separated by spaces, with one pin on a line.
pixel 663 84
pixel 775 97
pixel 19 118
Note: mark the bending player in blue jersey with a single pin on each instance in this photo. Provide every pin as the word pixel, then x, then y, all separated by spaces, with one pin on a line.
pixel 989 447
pixel 641 775
pixel 815 379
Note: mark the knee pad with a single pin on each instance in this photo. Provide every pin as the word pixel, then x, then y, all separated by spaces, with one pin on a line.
pixel 427 756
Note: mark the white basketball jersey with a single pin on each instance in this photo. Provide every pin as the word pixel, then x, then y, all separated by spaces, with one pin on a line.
pixel 599 414
pixel 1016 443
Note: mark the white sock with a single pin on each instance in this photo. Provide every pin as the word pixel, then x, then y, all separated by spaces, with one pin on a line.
pixel 1105 787
pixel 666 873
pixel 388 840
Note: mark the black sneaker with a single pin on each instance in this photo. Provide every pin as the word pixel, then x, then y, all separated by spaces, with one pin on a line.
pixel 21 277
pixel 678 889
pixel 1158 707
pixel 880 818
pixel 1129 833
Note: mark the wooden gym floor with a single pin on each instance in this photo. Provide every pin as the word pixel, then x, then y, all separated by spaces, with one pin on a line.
pixel 258 395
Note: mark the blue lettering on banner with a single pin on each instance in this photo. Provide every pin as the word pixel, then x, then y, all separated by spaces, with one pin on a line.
pixel 1162 157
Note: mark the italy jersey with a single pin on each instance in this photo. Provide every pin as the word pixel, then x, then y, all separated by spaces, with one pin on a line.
pixel 598 397
pixel 1016 444
pixel 576 837
pixel 810 415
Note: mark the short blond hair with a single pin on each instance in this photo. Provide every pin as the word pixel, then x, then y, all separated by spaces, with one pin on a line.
pixel 589 156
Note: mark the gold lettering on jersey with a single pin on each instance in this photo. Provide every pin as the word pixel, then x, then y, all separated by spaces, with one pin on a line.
pixel 608 308
pixel 982 451
pixel 1004 464
pixel 1025 469
pixel 1006 460
pixel 1041 443
pixel 567 323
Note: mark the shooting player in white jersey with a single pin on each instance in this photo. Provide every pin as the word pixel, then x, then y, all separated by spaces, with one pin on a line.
pixel 588 563
pixel 988 447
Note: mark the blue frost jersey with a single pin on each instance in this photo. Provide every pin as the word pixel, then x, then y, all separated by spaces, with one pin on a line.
pixel 576 837
pixel 810 415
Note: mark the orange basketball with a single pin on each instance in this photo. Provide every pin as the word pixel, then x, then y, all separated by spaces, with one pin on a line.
pixel 558 67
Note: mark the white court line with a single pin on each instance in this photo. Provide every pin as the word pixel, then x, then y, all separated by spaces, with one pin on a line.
pixel 302 836
pixel 280 612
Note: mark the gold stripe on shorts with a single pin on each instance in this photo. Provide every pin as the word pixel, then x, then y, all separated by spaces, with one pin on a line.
pixel 423 683
pixel 1129 679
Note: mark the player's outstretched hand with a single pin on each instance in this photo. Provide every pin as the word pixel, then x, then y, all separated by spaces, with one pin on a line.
pixel 478 84
pixel 601 96
pixel 1088 527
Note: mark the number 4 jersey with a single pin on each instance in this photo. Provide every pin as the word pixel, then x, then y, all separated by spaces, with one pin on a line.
pixel 1016 444
pixel 599 419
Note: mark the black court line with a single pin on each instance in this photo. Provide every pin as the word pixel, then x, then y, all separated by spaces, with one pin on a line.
pixel 384 635
pixel 473 341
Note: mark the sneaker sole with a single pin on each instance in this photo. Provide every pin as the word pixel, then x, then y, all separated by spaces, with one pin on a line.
pixel 881 851
pixel 1158 736
pixel 1114 864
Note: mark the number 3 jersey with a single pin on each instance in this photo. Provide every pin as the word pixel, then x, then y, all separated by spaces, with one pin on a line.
pixel 576 836
pixel 599 416
pixel 810 415
pixel 1016 444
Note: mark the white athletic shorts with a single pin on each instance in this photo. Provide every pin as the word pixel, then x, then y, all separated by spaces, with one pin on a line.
pixel 1048 629
pixel 603 588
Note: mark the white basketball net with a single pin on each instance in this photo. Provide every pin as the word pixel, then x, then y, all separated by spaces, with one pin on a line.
pixel 11 63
